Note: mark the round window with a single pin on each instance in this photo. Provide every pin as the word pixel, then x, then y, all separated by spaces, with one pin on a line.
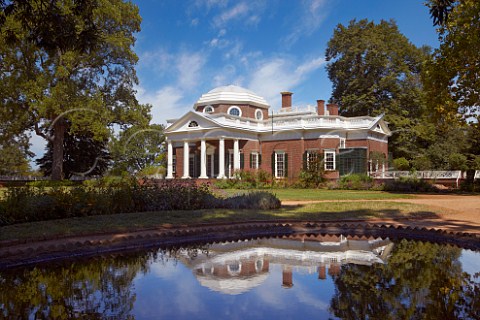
pixel 208 109
pixel 235 111
pixel 259 114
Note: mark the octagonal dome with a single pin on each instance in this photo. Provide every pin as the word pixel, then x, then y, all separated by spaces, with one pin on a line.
pixel 231 95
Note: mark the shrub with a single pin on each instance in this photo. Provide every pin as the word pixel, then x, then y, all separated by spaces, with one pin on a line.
pixel 50 183
pixel 27 204
pixel 401 164
pixel 254 200
pixel 409 184
pixel 356 182
pixel 422 163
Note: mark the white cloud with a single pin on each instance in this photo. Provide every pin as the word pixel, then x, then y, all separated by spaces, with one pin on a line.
pixel 166 103
pixel 279 74
pixel 314 12
pixel 189 66
pixel 158 60
pixel 238 11
pixel 194 22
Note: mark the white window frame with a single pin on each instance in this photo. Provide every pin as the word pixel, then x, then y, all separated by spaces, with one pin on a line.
pixel 255 163
pixel 329 165
pixel 234 108
pixel 209 108
pixel 312 155
pixel 342 143
pixel 279 164
pixel 258 111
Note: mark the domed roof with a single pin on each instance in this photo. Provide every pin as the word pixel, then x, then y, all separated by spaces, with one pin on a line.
pixel 231 95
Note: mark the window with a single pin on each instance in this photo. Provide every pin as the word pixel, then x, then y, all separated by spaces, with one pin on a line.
pixel 193 124
pixel 235 111
pixel 254 160
pixel 329 157
pixel 208 109
pixel 174 164
pixel 279 164
pixel 258 114
pixel 342 143
pixel 311 159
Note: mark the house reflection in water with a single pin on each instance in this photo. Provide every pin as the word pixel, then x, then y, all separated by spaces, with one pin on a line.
pixel 236 267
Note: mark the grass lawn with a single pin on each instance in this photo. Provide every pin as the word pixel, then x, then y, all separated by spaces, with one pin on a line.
pixel 322 194
pixel 325 211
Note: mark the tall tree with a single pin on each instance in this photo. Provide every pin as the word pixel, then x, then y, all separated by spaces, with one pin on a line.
pixel 138 148
pixel 82 156
pixel 452 80
pixel 375 69
pixel 70 61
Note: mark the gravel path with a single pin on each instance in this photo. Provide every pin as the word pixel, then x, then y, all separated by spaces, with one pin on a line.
pixel 461 212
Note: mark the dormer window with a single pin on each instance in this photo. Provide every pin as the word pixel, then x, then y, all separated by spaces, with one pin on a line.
pixel 193 124
pixel 258 114
pixel 208 109
pixel 235 111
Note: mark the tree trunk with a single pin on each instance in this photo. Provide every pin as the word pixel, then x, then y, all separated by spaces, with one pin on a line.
pixel 57 158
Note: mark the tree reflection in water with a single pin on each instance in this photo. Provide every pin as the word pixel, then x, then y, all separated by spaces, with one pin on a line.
pixel 420 281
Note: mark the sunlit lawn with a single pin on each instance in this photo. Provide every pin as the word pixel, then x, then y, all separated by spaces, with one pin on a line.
pixel 322 194
pixel 326 211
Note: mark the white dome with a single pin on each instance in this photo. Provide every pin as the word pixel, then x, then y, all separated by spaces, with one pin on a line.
pixel 231 95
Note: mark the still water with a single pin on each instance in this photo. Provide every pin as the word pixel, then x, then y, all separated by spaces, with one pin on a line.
pixel 298 277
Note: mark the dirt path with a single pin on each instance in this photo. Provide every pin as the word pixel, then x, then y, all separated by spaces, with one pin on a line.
pixel 461 212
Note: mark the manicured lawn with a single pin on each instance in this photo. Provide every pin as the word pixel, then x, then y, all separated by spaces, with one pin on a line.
pixel 325 211
pixel 321 194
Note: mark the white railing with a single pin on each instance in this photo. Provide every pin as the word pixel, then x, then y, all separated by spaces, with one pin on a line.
pixel 477 175
pixel 431 175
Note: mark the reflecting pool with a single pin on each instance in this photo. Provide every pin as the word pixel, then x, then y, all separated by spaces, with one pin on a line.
pixel 301 276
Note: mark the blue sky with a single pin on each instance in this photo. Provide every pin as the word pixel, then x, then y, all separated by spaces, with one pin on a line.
pixel 186 48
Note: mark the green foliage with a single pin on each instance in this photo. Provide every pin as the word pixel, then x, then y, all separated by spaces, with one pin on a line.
pixel 110 196
pixel 82 156
pixel 356 182
pixel 401 164
pixel 247 179
pixel 313 174
pixel 452 75
pixel 457 161
pixel 138 148
pixel 254 200
pixel 69 61
pixel 50 183
pixel 421 163
pixel 409 184
pixel 375 69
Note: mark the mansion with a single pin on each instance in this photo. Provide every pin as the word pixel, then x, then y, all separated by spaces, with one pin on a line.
pixel 231 128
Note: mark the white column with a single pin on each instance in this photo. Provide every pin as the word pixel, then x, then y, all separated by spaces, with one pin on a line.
pixel 169 160
pixel 203 160
pixel 236 155
pixel 186 160
pixel 221 159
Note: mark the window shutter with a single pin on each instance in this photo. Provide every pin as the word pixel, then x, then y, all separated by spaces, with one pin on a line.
pixel 273 164
pixel 251 160
pixel 286 166
pixel 196 159
pixel 259 160
pixel 215 165
pixel 305 159
pixel 242 161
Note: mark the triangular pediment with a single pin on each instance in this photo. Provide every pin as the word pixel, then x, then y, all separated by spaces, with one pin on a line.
pixel 192 121
pixel 379 125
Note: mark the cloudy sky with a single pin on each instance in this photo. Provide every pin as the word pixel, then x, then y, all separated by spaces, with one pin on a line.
pixel 186 48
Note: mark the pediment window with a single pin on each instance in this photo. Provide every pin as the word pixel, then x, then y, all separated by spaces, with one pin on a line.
pixel 193 124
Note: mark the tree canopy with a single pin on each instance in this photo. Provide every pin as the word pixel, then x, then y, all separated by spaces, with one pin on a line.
pixel 375 69
pixel 452 79
pixel 69 61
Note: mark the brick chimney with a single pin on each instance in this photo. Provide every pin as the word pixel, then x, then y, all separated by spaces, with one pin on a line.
pixel 286 99
pixel 320 107
pixel 332 109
